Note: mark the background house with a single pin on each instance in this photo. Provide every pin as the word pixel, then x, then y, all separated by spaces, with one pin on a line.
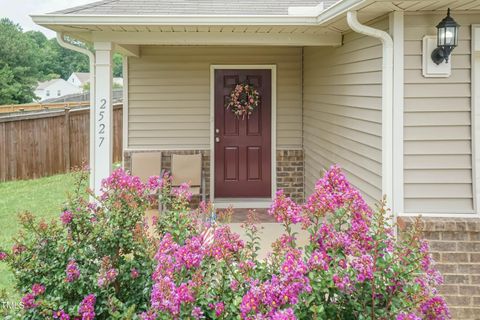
pixel 55 88
pixel 80 79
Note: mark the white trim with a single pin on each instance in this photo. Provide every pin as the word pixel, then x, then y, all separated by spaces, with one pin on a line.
pixel 397 31
pixel 125 108
pixel 441 215
pixel 242 203
pixel 273 119
pixel 387 100
pixel 475 116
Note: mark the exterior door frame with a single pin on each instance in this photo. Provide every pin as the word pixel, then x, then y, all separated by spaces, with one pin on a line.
pixel 273 118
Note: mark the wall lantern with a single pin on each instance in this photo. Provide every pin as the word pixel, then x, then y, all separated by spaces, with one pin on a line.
pixel 447 39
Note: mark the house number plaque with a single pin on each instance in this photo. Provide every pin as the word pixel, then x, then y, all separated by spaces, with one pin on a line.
pixel 101 122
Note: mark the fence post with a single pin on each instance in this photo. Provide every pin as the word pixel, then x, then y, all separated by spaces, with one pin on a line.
pixel 66 146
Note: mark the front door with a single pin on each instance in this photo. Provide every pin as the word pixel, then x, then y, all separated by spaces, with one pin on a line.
pixel 243 146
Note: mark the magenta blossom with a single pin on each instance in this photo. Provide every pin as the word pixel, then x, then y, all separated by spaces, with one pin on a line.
pixel 284 209
pixel 38 289
pixel 28 301
pixel 407 316
pixel 182 192
pixel 134 273
pixel 87 307
pixel 72 271
pixel 66 217
pixel 197 313
pixel 286 314
pixel 61 315
pixel 219 308
pixel 3 256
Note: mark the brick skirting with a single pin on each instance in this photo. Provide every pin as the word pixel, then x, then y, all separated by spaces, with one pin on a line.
pixel 290 173
pixel 455 246
pixel 289 168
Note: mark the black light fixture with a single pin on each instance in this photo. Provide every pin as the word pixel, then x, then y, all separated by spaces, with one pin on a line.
pixel 447 39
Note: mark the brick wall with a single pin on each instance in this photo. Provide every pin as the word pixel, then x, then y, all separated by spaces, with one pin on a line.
pixel 289 168
pixel 455 246
pixel 290 173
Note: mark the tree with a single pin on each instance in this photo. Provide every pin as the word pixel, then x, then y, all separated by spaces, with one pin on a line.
pixel 19 62
pixel 117 65
pixel 27 58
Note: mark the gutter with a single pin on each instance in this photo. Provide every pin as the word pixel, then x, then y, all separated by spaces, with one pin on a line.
pixel 387 100
pixel 91 57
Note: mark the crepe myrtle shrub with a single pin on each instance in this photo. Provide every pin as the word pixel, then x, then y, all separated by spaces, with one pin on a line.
pixel 352 267
pixel 103 261
pixel 94 261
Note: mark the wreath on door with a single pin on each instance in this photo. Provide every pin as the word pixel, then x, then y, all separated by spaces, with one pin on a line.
pixel 244 99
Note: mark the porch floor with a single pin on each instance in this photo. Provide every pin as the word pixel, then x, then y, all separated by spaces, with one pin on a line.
pixel 269 229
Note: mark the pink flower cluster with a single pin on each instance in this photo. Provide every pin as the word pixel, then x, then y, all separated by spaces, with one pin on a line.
pixel 285 210
pixel 61 315
pixel 66 217
pixel 219 308
pixel 333 192
pixel 108 277
pixel 435 308
pixel 72 271
pixel 28 300
pixel 182 193
pixel 166 296
pixel 225 244
pixel 265 300
pixel 134 273
pixel 3 256
pixel 87 307
pixel 120 180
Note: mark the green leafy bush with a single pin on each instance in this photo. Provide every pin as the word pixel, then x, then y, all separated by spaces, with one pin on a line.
pixel 104 261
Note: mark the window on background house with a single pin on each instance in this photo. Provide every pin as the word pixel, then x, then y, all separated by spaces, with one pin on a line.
pixel 59 93
pixel 48 93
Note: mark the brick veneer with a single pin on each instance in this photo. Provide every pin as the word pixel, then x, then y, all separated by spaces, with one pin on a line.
pixel 290 173
pixel 455 246
pixel 289 168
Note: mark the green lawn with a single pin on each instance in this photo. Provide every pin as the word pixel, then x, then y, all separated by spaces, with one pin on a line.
pixel 43 197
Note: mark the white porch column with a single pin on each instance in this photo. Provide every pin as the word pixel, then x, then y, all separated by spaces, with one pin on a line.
pixel 102 130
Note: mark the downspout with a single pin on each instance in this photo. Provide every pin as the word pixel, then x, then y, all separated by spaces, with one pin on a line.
pixel 387 101
pixel 91 57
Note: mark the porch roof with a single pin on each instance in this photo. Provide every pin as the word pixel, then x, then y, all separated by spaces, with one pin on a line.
pixel 192 7
pixel 228 22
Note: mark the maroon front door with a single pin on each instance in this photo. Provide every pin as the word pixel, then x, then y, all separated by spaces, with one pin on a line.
pixel 243 146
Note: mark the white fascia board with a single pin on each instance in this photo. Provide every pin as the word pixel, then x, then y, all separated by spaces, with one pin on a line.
pixel 324 16
pixel 199 20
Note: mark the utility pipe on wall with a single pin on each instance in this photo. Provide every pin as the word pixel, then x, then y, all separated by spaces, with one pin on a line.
pixel 91 58
pixel 387 101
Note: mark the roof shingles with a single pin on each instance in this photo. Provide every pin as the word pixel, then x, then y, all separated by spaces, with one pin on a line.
pixel 191 7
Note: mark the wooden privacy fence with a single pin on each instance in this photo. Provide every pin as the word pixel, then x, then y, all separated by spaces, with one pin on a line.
pixel 40 106
pixel 41 144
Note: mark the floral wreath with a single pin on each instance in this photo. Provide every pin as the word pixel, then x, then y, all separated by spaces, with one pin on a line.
pixel 244 99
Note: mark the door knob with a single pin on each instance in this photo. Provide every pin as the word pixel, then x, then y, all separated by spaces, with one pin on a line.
pixel 217 139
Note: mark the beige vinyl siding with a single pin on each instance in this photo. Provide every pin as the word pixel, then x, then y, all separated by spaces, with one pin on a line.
pixel 169 94
pixel 437 134
pixel 342 112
